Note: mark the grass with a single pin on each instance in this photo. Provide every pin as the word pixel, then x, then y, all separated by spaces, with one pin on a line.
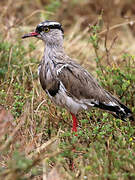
pixel 35 136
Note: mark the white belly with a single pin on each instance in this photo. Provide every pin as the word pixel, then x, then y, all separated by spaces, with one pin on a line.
pixel 63 100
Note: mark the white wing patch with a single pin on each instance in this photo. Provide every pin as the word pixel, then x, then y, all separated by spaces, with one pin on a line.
pixel 114 104
pixel 59 70
pixel 90 102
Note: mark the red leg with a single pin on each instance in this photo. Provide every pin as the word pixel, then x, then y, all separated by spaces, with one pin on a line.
pixel 75 123
pixel 74 129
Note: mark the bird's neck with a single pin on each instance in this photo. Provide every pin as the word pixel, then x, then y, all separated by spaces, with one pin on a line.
pixel 53 51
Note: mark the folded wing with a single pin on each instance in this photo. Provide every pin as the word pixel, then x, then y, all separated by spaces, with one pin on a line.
pixel 81 85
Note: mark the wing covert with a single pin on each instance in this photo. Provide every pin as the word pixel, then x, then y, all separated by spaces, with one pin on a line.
pixel 80 84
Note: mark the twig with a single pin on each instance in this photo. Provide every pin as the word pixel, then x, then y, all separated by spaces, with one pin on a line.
pixel 42 147
pixel 6 8
pixel 114 39
pixel 12 79
pixel 40 105
pixel 8 141
pixel 116 26
pixel 105 44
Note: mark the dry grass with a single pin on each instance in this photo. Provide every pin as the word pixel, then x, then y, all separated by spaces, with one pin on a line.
pixel 35 139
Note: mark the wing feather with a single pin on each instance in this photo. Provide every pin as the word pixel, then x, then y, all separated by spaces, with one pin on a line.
pixel 80 84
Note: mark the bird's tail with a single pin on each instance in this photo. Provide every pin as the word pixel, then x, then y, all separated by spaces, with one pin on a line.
pixel 116 108
pixel 120 110
pixel 123 112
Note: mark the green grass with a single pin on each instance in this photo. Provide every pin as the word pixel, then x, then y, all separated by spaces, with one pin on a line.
pixel 104 147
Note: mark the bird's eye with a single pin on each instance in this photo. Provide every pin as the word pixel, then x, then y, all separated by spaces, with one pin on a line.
pixel 46 29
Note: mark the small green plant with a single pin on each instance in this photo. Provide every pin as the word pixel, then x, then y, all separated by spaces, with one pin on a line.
pixel 103 147
pixel 53 6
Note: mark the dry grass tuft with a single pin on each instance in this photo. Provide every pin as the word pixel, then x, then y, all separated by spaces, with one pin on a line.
pixel 36 141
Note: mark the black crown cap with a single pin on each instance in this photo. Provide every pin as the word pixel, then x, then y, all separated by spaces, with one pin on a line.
pixel 50 24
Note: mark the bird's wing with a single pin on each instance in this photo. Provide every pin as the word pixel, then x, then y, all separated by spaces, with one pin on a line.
pixel 83 86
pixel 80 84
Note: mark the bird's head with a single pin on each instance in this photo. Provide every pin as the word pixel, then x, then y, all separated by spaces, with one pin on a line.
pixel 50 32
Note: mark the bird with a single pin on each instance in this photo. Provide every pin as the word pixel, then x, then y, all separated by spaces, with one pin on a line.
pixel 67 83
